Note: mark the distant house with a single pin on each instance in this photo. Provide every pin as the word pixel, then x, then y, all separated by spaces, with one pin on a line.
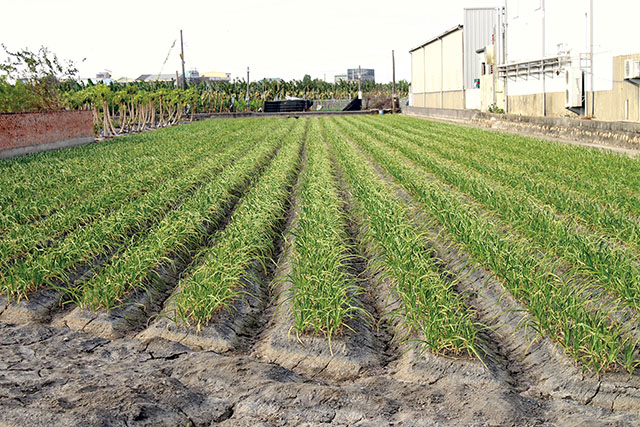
pixel 340 78
pixel 216 76
pixel 104 77
pixel 156 77
pixel 125 80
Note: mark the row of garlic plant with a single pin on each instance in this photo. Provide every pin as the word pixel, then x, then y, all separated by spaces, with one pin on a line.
pixel 612 266
pixel 322 290
pixel 431 311
pixel 51 181
pixel 600 218
pixel 558 308
pixel 56 264
pixel 607 177
pixel 24 238
pixel 179 232
pixel 246 244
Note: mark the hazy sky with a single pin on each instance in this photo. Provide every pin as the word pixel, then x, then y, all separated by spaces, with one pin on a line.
pixel 276 38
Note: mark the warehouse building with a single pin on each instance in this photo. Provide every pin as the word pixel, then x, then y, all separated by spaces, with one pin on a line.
pixel 534 58
pixel 451 69
pixel 436 71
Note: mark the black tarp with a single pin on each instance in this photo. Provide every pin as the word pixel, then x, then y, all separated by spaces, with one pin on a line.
pixel 288 106
pixel 354 105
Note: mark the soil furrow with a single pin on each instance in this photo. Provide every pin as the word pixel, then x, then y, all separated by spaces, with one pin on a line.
pixel 148 301
pixel 535 366
pixel 231 330
pixel 348 355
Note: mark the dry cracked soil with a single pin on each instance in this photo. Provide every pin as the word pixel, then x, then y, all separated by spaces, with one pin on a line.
pixel 58 376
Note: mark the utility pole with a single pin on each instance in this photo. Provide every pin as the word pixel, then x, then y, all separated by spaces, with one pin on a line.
pixel 247 84
pixel 393 87
pixel 359 82
pixel 184 76
pixel 591 55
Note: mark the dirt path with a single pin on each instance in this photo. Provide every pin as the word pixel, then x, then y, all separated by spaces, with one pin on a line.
pixel 55 376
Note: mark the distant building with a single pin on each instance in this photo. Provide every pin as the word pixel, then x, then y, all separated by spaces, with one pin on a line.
pixel 216 76
pixel 156 77
pixel 456 68
pixel 437 78
pixel 125 80
pixel 104 77
pixel 531 60
pixel 273 80
pixel 340 78
pixel 364 74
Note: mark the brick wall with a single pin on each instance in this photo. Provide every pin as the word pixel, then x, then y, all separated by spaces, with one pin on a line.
pixel 31 129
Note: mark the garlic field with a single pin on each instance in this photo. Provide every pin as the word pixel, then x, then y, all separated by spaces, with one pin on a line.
pixel 341 247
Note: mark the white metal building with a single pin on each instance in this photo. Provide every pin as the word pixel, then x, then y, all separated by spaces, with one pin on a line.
pixel 536 57
pixel 446 71
pixel 581 45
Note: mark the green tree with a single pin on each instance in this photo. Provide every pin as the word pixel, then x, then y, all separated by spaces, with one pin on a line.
pixel 36 77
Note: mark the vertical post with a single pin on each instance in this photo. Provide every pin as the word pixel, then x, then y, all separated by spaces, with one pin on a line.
pixel 494 67
pixel 393 87
pixel 247 97
pixel 591 56
pixel 184 76
pixel 359 82
pixel 441 74
pixel 464 89
pixel 544 82
pixel 504 58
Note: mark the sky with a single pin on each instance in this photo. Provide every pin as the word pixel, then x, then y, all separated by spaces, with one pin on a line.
pixel 275 38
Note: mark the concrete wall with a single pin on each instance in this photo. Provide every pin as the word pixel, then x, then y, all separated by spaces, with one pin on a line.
pixel 330 104
pixel 451 99
pixel 610 105
pixel 436 73
pixel 531 105
pixel 622 102
pixel 24 133
pixel 613 133
pixel 489 96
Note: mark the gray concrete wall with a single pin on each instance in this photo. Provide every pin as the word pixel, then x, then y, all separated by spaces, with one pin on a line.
pixel 618 134
pixel 330 104
pixel 298 114
pixel 49 146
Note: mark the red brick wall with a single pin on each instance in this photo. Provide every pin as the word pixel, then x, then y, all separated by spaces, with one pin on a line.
pixel 25 129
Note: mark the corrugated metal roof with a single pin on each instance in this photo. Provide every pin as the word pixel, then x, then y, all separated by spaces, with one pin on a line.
pixel 446 33
pixel 154 77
